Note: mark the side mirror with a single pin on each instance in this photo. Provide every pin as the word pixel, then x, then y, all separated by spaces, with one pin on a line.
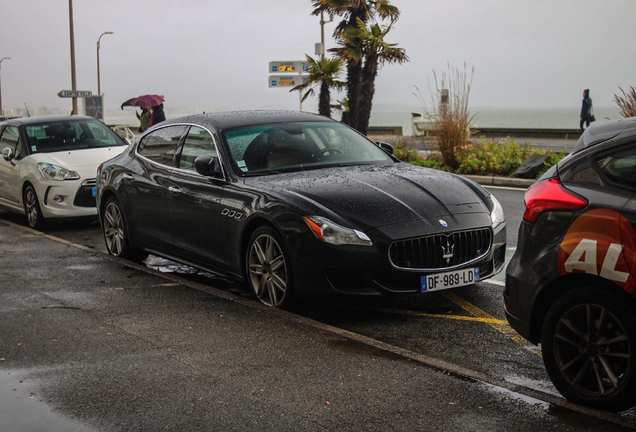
pixel 208 166
pixel 7 154
pixel 385 146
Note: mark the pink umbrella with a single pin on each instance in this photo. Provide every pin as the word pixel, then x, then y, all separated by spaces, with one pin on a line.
pixel 144 101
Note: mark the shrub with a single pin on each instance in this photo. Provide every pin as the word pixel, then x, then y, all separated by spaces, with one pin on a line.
pixel 487 157
pixel 500 158
pixel 627 102
pixel 404 150
pixel 449 113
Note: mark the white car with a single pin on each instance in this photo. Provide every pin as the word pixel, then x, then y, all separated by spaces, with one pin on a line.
pixel 49 163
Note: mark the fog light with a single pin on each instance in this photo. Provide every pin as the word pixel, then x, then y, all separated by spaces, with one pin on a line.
pixel 58 198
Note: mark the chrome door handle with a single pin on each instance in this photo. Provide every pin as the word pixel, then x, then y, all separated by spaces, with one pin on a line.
pixel 174 189
pixel 128 176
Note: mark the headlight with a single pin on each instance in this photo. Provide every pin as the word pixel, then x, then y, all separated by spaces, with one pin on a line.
pixel 54 172
pixel 332 233
pixel 497 214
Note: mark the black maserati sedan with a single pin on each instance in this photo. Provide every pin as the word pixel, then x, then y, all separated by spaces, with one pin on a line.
pixel 292 202
pixel 571 284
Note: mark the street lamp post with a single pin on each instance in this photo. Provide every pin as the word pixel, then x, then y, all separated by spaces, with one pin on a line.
pixel 99 87
pixel 320 49
pixel 2 109
pixel 72 37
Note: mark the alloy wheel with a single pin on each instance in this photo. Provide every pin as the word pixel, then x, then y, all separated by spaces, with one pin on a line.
pixel 32 207
pixel 592 350
pixel 113 229
pixel 267 270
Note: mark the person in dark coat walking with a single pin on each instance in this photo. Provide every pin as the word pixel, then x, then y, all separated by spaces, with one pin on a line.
pixel 587 111
pixel 157 114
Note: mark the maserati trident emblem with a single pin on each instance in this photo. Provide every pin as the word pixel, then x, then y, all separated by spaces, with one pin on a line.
pixel 443 223
pixel 447 251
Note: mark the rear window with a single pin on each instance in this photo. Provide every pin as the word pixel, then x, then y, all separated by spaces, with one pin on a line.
pixel 620 167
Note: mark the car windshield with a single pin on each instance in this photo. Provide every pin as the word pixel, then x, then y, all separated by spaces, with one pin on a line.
pixel 57 136
pixel 266 149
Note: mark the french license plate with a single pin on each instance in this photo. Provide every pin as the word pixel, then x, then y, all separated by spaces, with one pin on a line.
pixel 94 192
pixel 452 279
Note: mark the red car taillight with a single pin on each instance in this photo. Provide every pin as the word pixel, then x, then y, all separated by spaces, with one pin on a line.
pixel 549 195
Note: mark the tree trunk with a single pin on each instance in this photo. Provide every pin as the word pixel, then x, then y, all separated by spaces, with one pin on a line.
pixel 324 100
pixel 367 90
pixel 354 71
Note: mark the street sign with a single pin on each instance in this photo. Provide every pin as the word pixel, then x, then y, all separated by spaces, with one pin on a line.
pixel 75 93
pixel 287 80
pixel 293 66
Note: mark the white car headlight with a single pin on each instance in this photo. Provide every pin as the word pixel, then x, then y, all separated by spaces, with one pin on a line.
pixel 54 172
pixel 497 214
pixel 332 233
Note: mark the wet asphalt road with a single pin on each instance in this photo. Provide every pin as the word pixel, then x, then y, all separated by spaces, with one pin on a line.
pixel 105 346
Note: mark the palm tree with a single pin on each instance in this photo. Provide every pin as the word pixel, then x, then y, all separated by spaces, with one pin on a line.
pixel 351 11
pixel 350 50
pixel 376 52
pixel 342 106
pixel 323 73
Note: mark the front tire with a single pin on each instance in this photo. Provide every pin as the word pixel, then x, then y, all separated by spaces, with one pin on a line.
pixel 32 208
pixel 589 344
pixel 268 268
pixel 116 233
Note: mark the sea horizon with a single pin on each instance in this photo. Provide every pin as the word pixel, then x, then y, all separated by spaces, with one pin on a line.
pixel 389 115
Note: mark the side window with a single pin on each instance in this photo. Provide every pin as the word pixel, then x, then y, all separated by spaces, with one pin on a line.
pixel 99 132
pixel 620 166
pixel 198 142
pixel 10 138
pixel 161 145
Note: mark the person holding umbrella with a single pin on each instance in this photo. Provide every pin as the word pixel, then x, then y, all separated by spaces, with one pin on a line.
pixel 147 117
pixel 157 114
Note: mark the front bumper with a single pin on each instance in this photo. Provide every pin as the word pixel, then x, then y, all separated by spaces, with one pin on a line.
pixel 367 271
pixel 70 198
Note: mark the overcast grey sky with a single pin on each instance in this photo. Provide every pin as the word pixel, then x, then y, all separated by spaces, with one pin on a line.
pixel 214 54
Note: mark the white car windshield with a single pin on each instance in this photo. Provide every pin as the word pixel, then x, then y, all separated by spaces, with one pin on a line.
pixel 70 135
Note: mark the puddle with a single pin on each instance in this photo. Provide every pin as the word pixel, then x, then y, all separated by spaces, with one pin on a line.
pixel 518 396
pixel 21 410
pixel 166 266
pixel 81 267
pixel 543 386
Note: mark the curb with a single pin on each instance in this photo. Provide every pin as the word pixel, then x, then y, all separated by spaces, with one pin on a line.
pixel 501 181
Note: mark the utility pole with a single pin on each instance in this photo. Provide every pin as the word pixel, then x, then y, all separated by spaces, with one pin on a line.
pixel 73 80
pixel 1 109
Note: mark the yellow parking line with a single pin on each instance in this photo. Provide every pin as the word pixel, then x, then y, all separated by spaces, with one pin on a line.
pixel 500 325
pixel 478 315
pixel 490 320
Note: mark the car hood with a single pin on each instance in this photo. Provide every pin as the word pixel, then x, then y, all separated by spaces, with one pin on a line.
pixel 377 196
pixel 79 159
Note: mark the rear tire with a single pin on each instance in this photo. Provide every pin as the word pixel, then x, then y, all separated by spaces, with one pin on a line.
pixel 589 348
pixel 32 208
pixel 268 268
pixel 116 233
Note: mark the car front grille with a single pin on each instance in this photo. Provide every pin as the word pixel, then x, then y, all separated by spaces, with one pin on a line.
pixel 441 251
pixel 84 196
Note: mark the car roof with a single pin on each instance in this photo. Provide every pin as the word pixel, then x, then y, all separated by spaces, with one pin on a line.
pixel 603 131
pixel 46 119
pixel 232 119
